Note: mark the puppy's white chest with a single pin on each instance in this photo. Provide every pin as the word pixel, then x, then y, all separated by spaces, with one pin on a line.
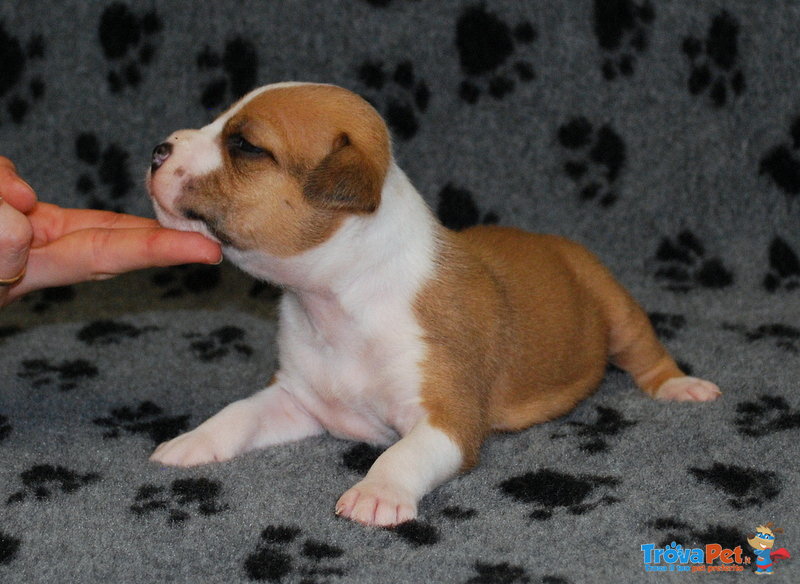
pixel 358 375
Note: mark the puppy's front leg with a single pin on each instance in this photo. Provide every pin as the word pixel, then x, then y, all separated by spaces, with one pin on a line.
pixel 271 416
pixel 423 459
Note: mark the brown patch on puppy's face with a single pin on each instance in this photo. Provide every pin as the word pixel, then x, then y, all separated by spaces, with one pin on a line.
pixel 295 161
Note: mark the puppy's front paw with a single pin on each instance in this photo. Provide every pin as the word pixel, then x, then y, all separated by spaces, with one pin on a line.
pixel 189 449
pixel 377 503
pixel 688 389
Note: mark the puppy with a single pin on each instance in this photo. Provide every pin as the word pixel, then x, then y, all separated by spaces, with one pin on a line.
pixel 393 330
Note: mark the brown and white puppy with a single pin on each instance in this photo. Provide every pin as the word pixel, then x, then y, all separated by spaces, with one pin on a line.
pixel 393 329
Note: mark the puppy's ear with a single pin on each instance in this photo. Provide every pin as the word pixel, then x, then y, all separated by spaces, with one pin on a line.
pixel 347 179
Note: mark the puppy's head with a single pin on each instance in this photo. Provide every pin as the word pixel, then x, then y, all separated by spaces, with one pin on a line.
pixel 278 172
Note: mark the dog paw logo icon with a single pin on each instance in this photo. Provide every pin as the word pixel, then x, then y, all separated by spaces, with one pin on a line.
pixel 763 542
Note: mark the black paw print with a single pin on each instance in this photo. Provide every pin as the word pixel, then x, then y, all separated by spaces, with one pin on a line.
pixel 5 428
pixel 504 572
pixel 486 45
pixel 18 87
pixel 147 418
pixel 405 96
pixel 457 513
pixel 383 3
pixel 746 487
pixel 219 343
pixel 184 496
pixel 417 533
pixel 110 332
pixel 593 435
pixel 195 279
pixel 784 336
pixel 457 209
pixel 675 530
pixel 667 325
pixel 360 457
pixel 280 555
pixel 682 265
pixel 43 480
pixel 784 272
pixel 65 375
pixel 622 28
pixel 547 490
pixel 110 170
pixel 9 546
pixel 239 67
pixel 44 300
pixel 782 164
pixel 714 61
pixel 128 43
pixel 601 159
pixel 767 415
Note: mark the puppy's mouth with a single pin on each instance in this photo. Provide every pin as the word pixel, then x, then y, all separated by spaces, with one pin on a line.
pixel 210 224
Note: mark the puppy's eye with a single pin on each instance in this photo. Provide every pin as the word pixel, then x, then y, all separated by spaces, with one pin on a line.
pixel 239 146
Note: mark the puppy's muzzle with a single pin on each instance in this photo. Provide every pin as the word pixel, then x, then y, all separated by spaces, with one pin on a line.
pixel 160 155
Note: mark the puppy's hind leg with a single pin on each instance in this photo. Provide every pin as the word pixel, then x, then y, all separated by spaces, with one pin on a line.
pixel 635 348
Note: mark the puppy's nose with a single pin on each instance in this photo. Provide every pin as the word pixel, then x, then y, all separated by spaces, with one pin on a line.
pixel 160 155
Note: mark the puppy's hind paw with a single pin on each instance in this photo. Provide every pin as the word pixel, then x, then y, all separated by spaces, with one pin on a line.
pixel 688 389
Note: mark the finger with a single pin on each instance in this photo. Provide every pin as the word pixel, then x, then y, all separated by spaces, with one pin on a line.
pixel 15 241
pixel 51 222
pixel 13 189
pixel 97 254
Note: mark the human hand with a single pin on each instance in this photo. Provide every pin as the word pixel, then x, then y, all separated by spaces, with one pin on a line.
pixel 56 246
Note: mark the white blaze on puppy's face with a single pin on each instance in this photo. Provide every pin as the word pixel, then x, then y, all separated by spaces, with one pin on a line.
pixel 278 172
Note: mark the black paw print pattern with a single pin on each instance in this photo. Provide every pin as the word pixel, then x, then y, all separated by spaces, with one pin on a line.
pixel 766 415
pixel 593 436
pixel 384 3
pixel 674 530
pixel 128 42
pixel 622 28
pixel 18 87
pixel 9 547
pixel 746 487
pixel 110 332
pixel 181 500
pixel 784 336
pixel 457 209
pixel 44 300
pixel 219 343
pixel 714 61
pixel 405 96
pixel 109 181
pixel 683 266
pixel 486 573
pixel 5 428
pixel 280 554
pixel 548 490
pixel 600 159
pixel 65 376
pixel 458 513
pixel 194 279
pixel 667 325
pixel 487 49
pixel 235 72
pixel 43 481
pixel 782 163
pixel 784 267
pixel 360 457
pixel 417 533
pixel 146 418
